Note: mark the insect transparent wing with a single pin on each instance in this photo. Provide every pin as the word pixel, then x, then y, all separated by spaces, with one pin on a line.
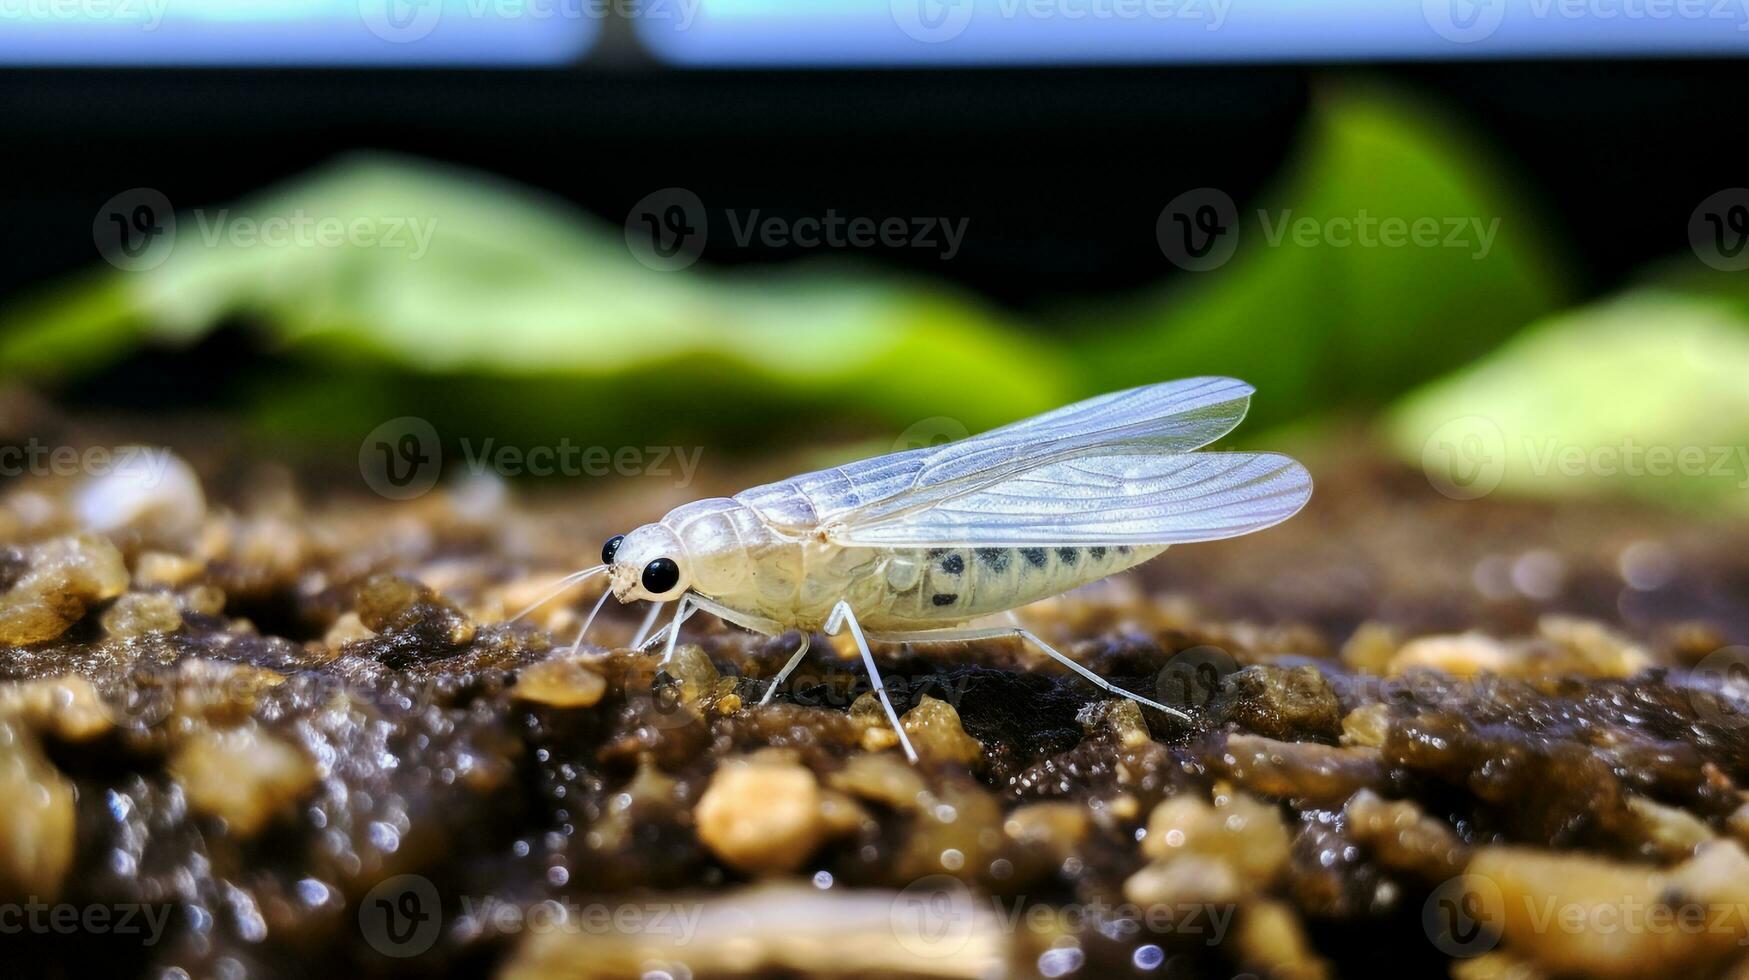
pixel 1171 417
pixel 1139 499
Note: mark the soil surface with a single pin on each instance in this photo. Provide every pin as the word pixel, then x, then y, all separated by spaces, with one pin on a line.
pixel 249 727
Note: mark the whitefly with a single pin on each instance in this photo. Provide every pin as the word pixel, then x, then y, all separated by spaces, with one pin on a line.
pixel 918 546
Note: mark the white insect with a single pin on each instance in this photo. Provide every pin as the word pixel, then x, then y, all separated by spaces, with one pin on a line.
pixel 913 546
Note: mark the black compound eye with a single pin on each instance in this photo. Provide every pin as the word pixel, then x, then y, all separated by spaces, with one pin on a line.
pixel 660 575
pixel 611 548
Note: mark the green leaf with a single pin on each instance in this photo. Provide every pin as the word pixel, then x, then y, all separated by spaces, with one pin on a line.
pixel 1641 396
pixel 1316 324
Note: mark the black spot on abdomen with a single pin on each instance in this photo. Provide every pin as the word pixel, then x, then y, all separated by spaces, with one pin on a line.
pixel 1098 554
pixel 944 598
pixel 995 559
pixel 1068 556
pixel 952 563
pixel 1034 556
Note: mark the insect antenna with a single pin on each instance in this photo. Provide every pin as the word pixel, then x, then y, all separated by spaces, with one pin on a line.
pixel 558 587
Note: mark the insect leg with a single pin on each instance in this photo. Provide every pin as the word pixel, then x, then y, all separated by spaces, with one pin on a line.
pixel 758 624
pixel 783 675
pixel 842 615
pixel 649 621
pixel 956 635
pixel 747 621
pixel 578 644
pixel 680 614
pixel 657 637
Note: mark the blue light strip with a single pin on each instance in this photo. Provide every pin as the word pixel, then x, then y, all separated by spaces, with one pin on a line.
pixel 297 32
pixel 974 32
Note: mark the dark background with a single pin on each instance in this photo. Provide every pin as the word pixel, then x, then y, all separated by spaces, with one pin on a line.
pixel 1616 153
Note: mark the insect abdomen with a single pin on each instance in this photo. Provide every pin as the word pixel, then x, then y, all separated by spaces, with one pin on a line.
pixel 963 583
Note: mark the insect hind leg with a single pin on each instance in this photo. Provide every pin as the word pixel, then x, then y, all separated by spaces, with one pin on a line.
pixel 963 634
pixel 842 616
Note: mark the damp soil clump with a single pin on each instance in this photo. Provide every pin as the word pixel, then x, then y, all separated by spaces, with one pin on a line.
pixel 287 732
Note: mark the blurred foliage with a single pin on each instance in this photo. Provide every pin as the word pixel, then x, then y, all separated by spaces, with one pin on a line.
pixel 1322 326
pixel 1642 395
pixel 526 321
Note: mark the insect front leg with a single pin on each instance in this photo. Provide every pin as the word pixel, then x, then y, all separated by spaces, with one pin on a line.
pixel 695 603
pixel 644 628
pixel 758 624
pixel 683 610
pixel 964 634
pixel 581 633
pixel 842 615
